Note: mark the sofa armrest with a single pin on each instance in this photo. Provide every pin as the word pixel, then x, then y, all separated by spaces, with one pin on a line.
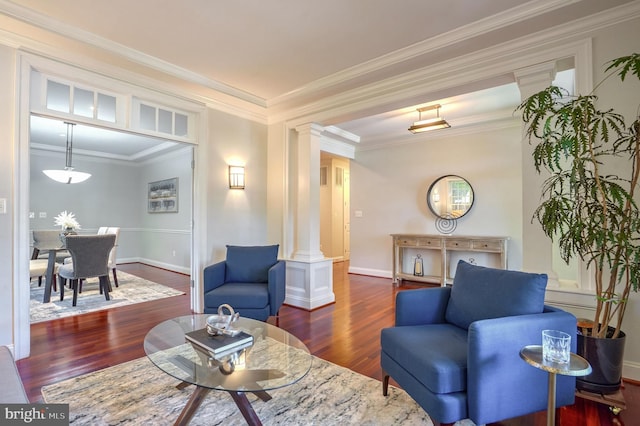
pixel 276 286
pixel 498 380
pixel 214 275
pixel 12 390
pixel 422 306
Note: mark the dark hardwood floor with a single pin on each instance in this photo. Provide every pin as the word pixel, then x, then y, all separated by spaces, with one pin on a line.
pixel 346 333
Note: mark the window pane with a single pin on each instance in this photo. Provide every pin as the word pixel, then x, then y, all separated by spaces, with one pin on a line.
pixel 182 125
pixel 165 120
pixel 106 108
pixel 58 97
pixel 83 102
pixel 147 117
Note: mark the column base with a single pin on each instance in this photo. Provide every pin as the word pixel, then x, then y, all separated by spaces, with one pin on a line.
pixel 309 283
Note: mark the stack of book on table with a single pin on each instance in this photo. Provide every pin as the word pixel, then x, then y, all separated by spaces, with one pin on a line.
pixel 219 345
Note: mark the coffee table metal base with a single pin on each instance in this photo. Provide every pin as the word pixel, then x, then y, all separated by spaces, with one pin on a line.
pixel 240 398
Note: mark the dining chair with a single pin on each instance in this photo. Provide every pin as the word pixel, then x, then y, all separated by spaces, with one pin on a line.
pixel 38 269
pixel 90 258
pixel 115 230
pixel 47 238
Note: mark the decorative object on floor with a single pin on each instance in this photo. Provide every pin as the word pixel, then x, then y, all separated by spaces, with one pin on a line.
pixel 589 198
pixel 448 351
pixel 162 196
pixel 329 395
pixel 431 123
pixel 68 175
pixel 251 279
pixel 132 290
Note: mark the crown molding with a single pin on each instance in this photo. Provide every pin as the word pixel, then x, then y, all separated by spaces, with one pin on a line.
pixel 499 61
pixel 474 29
pixel 28 16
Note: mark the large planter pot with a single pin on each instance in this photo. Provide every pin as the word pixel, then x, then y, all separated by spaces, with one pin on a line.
pixel 605 356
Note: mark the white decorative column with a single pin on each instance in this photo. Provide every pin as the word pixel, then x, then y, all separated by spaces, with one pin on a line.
pixel 536 246
pixel 309 273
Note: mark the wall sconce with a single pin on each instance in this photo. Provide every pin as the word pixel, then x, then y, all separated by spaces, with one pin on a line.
pixel 431 123
pixel 236 177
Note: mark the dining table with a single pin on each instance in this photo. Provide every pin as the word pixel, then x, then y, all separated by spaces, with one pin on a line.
pixel 53 248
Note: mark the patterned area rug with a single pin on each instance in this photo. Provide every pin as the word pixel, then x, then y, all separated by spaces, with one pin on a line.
pixel 138 393
pixel 130 290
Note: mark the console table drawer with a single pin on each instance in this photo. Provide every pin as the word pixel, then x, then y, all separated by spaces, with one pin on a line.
pixel 458 244
pixel 408 242
pixel 487 245
pixel 429 242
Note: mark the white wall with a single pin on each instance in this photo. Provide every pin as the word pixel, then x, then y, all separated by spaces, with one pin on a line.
pixel 389 187
pixel 236 216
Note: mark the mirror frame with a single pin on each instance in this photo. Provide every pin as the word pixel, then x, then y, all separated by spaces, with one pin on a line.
pixel 435 183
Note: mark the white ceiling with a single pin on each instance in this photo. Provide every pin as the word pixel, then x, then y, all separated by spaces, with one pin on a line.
pixel 285 52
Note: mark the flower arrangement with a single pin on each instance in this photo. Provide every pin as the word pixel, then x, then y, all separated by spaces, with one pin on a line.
pixel 67 220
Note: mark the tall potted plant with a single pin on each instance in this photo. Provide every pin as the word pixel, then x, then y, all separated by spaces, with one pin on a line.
pixel 589 203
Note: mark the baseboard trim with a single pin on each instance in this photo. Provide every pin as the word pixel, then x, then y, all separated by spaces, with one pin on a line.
pixel 163 265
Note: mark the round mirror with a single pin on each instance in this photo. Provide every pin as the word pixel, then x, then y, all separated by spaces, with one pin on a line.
pixel 450 197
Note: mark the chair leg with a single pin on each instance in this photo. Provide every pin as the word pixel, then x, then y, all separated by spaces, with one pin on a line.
pixel 40 281
pixel 115 277
pixel 54 283
pixel 105 285
pixel 385 383
pixel 63 283
pixel 74 285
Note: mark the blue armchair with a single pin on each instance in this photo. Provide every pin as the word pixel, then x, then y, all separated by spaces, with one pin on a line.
pixel 251 280
pixel 455 350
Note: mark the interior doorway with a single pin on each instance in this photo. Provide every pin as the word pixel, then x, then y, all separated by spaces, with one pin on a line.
pixel 335 207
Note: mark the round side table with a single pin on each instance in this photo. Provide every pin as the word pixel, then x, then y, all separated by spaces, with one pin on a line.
pixel 577 366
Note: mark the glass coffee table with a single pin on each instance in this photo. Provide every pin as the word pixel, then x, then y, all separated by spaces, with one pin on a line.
pixel 276 359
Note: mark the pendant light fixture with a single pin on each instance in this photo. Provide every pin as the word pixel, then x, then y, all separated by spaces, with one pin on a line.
pixel 431 123
pixel 68 175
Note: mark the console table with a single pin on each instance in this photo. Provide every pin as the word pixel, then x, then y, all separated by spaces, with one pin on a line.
pixel 441 246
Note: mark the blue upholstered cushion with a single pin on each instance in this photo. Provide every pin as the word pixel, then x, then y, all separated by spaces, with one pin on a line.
pixel 250 264
pixel 434 354
pixel 482 293
pixel 238 295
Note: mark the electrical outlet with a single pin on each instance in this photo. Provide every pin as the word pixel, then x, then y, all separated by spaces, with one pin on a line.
pixel 42 215
pixel 3 205
pixel 32 215
pixel 174 253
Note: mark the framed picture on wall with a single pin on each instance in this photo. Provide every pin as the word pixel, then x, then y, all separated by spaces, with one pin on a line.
pixel 162 196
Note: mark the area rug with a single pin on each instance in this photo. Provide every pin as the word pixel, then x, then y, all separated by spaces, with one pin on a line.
pixel 131 289
pixel 138 393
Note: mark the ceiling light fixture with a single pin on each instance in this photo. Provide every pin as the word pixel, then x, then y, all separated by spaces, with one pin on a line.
pixel 67 175
pixel 431 123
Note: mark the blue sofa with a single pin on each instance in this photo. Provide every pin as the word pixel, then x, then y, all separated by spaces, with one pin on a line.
pixel 455 350
pixel 251 280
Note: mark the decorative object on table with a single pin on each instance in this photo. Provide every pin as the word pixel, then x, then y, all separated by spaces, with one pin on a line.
pixel 588 210
pixel 221 323
pixel 556 346
pixel 450 196
pixel 68 175
pixel 418 266
pixel 162 196
pixel 67 222
pixel 446 225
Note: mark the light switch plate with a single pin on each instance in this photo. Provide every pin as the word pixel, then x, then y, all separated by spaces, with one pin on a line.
pixel 3 205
